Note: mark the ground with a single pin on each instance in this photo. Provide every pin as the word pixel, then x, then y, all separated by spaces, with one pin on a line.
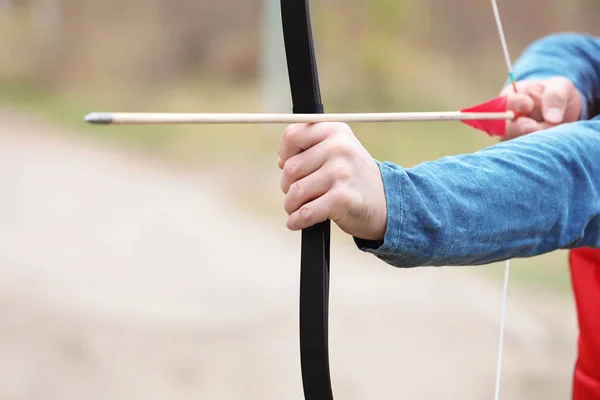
pixel 121 278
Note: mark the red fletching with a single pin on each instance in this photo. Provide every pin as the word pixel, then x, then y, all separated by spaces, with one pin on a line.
pixel 491 127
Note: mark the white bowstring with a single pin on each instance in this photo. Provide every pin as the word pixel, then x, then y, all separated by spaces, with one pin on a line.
pixel 502 37
pixel 502 330
pixel 507 269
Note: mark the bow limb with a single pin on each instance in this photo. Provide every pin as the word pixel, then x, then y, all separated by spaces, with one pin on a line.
pixel 314 263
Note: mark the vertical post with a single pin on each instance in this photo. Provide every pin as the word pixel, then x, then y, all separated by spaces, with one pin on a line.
pixel 274 80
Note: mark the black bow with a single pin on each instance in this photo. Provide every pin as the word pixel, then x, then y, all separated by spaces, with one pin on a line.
pixel 314 263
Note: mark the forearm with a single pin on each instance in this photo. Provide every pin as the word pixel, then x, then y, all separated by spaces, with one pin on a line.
pixel 520 198
pixel 574 56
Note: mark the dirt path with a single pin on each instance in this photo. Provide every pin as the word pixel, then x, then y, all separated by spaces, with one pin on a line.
pixel 122 280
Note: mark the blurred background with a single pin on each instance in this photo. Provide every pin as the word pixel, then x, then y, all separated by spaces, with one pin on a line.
pixel 154 263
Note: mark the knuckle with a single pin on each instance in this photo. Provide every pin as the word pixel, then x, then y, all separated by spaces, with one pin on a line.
pixel 305 214
pixel 562 80
pixel 341 205
pixel 342 200
pixel 291 168
pixel 290 133
pixel 335 128
pixel 343 128
pixel 341 147
pixel 340 171
pixel 343 131
pixel 295 190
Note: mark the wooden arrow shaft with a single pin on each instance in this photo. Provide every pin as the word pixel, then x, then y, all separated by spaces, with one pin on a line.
pixel 224 118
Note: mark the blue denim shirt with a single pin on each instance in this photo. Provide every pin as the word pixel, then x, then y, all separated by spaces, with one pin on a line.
pixel 519 198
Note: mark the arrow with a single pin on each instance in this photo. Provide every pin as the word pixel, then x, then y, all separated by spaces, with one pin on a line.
pixel 489 117
pixel 232 118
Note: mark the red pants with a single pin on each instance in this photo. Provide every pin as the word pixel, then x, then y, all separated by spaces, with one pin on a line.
pixel 585 276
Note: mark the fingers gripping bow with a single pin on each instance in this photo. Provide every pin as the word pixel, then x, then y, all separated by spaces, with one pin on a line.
pixel 314 264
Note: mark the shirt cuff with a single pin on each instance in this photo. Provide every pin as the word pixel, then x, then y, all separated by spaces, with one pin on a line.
pixel 395 214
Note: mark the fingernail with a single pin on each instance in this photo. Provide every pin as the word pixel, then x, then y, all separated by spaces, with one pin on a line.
pixel 554 115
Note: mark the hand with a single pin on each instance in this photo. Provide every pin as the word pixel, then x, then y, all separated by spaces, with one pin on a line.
pixel 328 174
pixel 543 104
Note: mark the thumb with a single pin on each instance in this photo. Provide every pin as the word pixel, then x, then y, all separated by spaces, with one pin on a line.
pixel 554 100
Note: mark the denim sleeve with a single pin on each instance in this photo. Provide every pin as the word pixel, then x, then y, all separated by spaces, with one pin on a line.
pixel 572 55
pixel 519 198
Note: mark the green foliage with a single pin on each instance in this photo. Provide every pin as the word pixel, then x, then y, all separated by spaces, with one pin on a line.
pixel 548 273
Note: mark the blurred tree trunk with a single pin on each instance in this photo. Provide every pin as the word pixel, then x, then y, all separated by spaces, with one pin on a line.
pixel 274 79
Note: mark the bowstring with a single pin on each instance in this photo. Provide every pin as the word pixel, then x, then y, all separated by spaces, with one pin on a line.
pixel 502 331
pixel 507 267
pixel 504 45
